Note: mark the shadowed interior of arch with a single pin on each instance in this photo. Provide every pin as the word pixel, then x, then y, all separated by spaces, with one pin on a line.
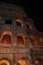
pixel 19 22
pixel 6 39
pixel 20 40
pixel 5 62
pixel 29 25
pixel 8 22
pixel 38 61
pixel 33 40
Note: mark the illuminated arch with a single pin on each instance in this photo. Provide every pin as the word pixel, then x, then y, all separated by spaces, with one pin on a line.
pixel 6 37
pixel 5 62
pixel 38 61
pixel 29 25
pixel 41 40
pixel 33 40
pixel 21 39
pixel 20 22
pixel 23 62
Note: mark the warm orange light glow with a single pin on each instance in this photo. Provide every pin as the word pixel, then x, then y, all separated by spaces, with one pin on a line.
pixel 7 32
pixel 22 62
pixel 37 62
pixel 4 62
pixel 6 37
pixel 33 40
pixel 21 39
pixel 41 40
pixel 29 24
pixel 20 21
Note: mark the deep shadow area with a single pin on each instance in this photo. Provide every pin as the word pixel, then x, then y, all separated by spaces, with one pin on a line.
pixel 8 22
pixel 36 13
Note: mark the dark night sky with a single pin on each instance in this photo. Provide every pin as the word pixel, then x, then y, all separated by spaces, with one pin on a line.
pixel 33 11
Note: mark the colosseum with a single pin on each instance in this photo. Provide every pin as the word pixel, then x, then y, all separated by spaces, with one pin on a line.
pixel 20 42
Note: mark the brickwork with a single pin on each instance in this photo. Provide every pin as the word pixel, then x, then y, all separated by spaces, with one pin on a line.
pixel 13 51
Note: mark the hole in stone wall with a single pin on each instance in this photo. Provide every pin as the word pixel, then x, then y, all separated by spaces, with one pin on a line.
pixel 19 22
pixel 33 40
pixel 6 39
pixel 29 25
pixel 38 61
pixel 20 40
pixel 8 22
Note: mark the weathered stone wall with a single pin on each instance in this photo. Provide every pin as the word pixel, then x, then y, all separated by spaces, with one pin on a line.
pixel 13 51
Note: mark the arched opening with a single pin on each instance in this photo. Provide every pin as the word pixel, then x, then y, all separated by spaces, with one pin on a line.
pixel 19 22
pixel 33 40
pixel 38 61
pixel 8 21
pixel 21 39
pixel 41 40
pixel 29 25
pixel 4 62
pixel 6 38
pixel 23 62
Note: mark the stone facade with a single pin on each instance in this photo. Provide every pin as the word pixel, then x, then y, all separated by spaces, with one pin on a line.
pixel 14 51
